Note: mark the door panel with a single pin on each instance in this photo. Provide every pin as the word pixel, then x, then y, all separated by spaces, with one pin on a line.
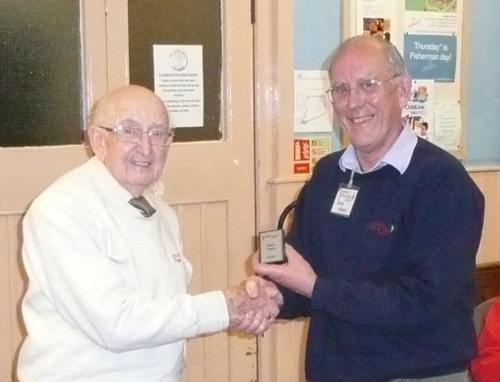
pixel 25 172
pixel 158 23
pixel 208 356
pixel 211 184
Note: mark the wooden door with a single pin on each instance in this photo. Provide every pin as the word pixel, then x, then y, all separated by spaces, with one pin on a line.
pixel 211 184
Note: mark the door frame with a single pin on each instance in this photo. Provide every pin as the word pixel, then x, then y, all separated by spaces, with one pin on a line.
pixel 282 348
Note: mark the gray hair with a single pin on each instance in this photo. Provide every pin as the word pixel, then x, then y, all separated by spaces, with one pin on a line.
pixel 394 59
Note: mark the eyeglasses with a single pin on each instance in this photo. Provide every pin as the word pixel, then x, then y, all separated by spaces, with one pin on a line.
pixel 364 86
pixel 134 135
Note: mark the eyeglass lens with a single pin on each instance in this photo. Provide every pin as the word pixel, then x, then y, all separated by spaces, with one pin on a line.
pixel 133 135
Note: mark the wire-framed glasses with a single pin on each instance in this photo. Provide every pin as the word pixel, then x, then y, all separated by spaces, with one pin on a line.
pixel 129 134
pixel 364 86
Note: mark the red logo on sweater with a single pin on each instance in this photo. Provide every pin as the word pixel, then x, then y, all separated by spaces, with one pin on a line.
pixel 381 228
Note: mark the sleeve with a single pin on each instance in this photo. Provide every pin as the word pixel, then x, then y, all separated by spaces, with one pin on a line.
pixel 64 252
pixel 486 367
pixel 443 231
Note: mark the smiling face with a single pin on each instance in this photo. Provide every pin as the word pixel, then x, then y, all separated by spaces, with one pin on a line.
pixel 135 166
pixel 371 122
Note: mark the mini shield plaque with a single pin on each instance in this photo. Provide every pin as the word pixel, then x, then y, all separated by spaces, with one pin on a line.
pixel 272 247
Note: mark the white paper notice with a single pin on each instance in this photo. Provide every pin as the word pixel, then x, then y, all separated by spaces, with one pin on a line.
pixel 448 127
pixel 313 110
pixel 178 76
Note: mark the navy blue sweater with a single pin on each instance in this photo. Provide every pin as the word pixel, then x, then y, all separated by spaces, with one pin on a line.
pixel 395 291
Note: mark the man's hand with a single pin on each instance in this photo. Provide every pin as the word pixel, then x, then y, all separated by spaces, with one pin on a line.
pixel 254 307
pixel 296 274
pixel 255 284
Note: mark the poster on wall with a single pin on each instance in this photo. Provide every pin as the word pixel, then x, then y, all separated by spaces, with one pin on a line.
pixel 378 18
pixel 431 56
pixel 428 34
pixel 178 81
pixel 434 17
pixel 431 49
pixel 419 111
pixel 307 151
pixel 313 111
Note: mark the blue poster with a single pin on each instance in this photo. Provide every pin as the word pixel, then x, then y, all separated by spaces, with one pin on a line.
pixel 431 57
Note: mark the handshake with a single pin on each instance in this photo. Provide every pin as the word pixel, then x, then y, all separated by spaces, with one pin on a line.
pixel 253 308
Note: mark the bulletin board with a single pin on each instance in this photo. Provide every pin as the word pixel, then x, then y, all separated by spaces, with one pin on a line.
pixel 429 35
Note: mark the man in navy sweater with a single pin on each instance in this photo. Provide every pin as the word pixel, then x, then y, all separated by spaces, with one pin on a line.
pixel 382 250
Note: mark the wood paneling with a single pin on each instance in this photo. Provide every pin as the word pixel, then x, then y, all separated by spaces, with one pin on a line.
pixel 488 281
pixel 204 228
pixel 5 305
pixel 205 232
pixel 12 283
pixel 488 182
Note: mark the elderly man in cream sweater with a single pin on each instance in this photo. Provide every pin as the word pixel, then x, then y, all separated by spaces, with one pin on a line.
pixel 107 297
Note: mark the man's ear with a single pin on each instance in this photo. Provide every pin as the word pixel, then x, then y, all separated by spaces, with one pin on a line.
pixel 97 141
pixel 404 90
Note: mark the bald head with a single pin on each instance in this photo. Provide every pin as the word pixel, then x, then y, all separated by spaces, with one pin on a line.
pixel 108 110
pixel 375 44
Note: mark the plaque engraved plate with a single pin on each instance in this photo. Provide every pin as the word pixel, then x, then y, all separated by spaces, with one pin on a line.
pixel 272 247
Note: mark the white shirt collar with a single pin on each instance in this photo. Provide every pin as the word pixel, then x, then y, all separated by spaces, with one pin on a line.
pixel 398 156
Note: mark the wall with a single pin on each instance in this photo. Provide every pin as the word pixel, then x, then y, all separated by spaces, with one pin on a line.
pixel 317 32
pixel 483 90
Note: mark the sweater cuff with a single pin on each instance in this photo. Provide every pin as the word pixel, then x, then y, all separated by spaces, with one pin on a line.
pixel 212 312
pixel 322 298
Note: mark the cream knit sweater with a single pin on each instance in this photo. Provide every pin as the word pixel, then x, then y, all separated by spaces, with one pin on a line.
pixel 107 297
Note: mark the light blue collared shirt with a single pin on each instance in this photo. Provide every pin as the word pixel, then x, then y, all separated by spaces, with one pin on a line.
pixel 398 156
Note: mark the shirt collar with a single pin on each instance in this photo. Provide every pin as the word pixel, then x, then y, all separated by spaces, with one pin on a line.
pixel 398 156
pixel 115 193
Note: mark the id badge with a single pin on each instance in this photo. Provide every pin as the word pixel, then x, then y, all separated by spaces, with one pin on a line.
pixel 344 200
